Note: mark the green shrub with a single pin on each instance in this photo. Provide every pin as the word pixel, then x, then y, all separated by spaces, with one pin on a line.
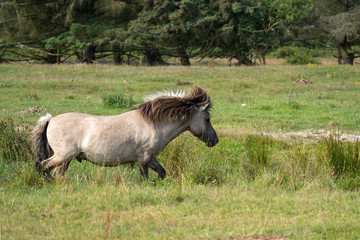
pixel 321 52
pixel 14 143
pixel 299 55
pixel 301 59
pixel 287 51
pixel 284 52
pixel 118 101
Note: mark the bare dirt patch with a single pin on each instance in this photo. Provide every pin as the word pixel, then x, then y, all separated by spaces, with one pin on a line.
pixel 311 135
pixel 303 81
pixel 30 110
pixel 320 134
pixel 183 83
pixel 260 238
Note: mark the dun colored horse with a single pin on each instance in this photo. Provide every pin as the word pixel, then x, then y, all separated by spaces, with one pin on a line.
pixel 138 135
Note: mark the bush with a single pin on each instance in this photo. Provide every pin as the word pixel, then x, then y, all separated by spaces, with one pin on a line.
pixel 287 51
pixel 118 101
pixel 14 143
pixel 299 55
pixel 284 52
pixel 301 59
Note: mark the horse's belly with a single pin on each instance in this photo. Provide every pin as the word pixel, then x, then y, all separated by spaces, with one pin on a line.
pixel 108 162
pixel 110 158
pixel 113 146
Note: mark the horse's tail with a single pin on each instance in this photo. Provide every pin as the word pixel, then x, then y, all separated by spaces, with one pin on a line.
pixel 40 145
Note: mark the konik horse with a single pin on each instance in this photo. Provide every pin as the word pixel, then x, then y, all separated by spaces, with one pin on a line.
pixel 138 135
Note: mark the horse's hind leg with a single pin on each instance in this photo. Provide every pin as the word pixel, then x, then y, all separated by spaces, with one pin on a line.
pixel 59 171
pixel 156 166
pixel 54 161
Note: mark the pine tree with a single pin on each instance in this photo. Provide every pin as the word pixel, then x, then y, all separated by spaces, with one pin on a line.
pixel 338 21
pixel 98 26
pixel 163 27
pixel 247 29
pixel 25 25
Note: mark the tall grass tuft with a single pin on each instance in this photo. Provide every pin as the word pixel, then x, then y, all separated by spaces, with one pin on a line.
pixel 206 173
pixel 292 103
pixel 173 156
pixel 188 158
pixel 28 176
pixel 14 143
pixel 301 166
pixel 205 165
pixel 257 154
pixel 118 100
pixel 343 156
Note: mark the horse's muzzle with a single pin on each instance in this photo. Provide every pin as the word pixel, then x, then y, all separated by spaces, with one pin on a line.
pixel 212 142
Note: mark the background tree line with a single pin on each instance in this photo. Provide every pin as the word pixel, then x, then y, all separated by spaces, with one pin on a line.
pixel 130 31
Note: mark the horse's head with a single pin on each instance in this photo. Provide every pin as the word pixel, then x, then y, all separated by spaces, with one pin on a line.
pixel 190 109
pixel 200 125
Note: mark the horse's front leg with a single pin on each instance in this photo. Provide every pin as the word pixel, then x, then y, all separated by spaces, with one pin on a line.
pixel 156 166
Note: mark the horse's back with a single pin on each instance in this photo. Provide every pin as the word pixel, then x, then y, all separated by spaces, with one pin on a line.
pixel 70 125
pixel 97 137
pixel 66 131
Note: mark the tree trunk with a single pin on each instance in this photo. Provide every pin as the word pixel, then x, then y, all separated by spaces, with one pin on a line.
pixel 184 58
pixel 263 54
pixel 89 54
pixel 345 55
pixel 243 60
pixel 58 58
pixel 153 57
pixel 118 57
pixel 263 60
pixel 51 59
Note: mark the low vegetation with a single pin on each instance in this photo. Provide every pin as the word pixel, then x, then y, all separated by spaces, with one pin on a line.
pixel 118 101
pixel 14 142
pixel 250 184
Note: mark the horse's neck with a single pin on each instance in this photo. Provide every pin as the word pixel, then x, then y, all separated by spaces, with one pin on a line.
pixel 167 131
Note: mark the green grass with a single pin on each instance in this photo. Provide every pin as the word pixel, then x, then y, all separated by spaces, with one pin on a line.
pixel 333 96
pixel 118 101
pixel 170 211
pixel 247 185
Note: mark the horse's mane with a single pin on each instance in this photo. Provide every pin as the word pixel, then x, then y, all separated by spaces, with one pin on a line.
pixel 173 106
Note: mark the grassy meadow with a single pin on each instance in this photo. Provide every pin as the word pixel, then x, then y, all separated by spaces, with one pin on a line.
pixel 251 184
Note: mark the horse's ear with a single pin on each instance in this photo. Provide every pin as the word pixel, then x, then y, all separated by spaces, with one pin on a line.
pixel 202 107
